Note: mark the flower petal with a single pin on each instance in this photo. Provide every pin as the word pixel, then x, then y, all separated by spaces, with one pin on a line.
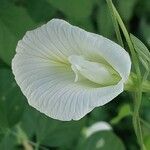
pixel 51 90
pixel 41 69
pixel 96 127
pixel 76 41
pixel 58 39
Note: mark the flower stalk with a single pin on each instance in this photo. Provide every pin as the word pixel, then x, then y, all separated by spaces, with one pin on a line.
pixel 131 84
pixel 115 23
pixel 130 45
pixel 136 85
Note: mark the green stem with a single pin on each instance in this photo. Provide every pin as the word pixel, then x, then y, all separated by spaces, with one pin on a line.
pixel 136 118
pixel 37 146
pixel 131 47
pixel 115 23
pixel 131 85
pixel 135 61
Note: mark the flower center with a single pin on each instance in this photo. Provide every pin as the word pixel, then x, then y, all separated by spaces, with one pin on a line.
pixel 98 73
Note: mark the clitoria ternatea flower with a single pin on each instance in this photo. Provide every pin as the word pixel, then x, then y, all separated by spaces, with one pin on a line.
pixel 65 71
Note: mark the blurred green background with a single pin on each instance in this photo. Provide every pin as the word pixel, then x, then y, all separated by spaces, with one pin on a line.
pixel 24 128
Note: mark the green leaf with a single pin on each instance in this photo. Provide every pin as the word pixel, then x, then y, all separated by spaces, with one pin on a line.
pixel 104 21
pixel 145 29
pixel 3 64
pixel 48 131
pixel 34 8
pixel 147 142
pixel 142 51
pixel 11 101
pixel 146 106
pixel 84 23
pixel 8 142
pixel 1 136
pixel 142 9
pixel 126 8
pixel 74 8
pixel 98 114
pixel 103 140
pixel 140 48
pixel 14 22
pixel 123 112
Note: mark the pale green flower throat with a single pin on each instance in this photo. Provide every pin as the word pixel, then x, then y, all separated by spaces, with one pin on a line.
pixel 99 73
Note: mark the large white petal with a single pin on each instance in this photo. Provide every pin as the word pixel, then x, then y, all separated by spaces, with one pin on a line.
pixel 76 41
pixel 51 90
pixel 58 39
pixel 41 71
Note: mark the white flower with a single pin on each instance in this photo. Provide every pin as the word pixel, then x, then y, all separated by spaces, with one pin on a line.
pixel 65 72
pixel 96 127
